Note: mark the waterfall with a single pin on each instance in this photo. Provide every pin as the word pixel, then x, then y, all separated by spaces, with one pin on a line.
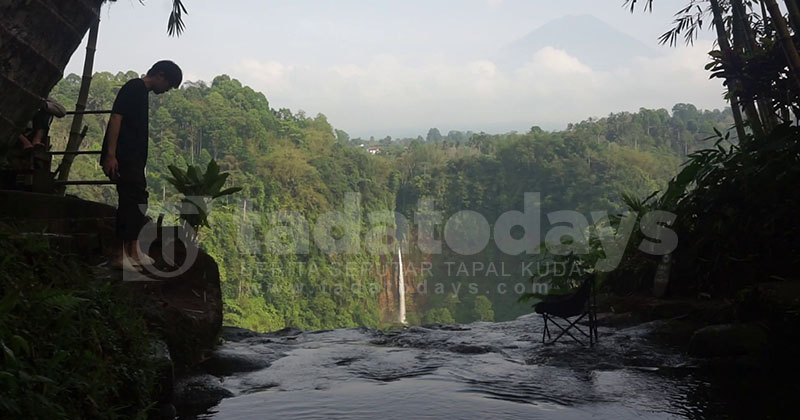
pixel 401 286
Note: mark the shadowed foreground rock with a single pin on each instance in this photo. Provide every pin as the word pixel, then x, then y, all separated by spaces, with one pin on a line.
pixel 184 310
pixel 195 394
pixel 729 340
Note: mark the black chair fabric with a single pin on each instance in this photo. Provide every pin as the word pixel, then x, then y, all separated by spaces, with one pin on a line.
pixel 577 304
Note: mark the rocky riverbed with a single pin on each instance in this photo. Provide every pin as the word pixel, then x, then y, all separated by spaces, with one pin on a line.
pixel 481 370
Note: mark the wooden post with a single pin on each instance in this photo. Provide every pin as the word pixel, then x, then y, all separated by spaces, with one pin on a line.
pixel 74 142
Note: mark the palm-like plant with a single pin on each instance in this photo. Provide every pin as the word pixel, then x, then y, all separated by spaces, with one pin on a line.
pixel 176 25
pixel 756 58
pixel 199 188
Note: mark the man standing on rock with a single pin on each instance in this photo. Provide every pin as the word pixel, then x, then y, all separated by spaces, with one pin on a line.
pixel 124 157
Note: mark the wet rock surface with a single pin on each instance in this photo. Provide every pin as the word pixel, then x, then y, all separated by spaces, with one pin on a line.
pixel 728 340
pixel 227 362
pixel 195 394
pixel 480 370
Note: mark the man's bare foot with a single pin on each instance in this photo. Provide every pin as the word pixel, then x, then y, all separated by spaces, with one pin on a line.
pixel 141 257
pixel 130 264
pixel 125 263
pixel 145 259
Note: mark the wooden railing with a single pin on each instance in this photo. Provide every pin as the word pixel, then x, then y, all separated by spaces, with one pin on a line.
pixel 60 183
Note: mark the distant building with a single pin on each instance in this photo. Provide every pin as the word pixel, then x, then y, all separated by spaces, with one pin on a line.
pixel 373 150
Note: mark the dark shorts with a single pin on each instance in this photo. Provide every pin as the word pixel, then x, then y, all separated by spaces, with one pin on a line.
pixel 132 205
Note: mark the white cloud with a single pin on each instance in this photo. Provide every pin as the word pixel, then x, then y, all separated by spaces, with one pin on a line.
pixel 555 61
pixel 393 95
pixel 191 77
pixel 271 76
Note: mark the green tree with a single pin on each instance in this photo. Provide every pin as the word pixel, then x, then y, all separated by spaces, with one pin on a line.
pixel 482 309
pixel 434 135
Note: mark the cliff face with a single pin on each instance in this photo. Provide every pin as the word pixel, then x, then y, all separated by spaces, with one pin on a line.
pixel 387 300
pixel 184 309
pixel 37 40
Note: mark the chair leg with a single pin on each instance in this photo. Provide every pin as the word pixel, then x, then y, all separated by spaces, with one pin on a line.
pixel 546 330
pixel 591 335
pixel 565 331
pixel 594 325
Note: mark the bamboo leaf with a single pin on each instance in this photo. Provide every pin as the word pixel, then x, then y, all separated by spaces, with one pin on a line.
pixel 180 177
pixel 9 354
pixel 212 171
pixel 228 191
pixel 214 188
pixel 9 302
pixel 20 344
pixel 64 302
pixel 191 174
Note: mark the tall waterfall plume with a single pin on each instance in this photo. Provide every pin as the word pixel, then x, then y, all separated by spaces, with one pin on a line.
pixel 401 286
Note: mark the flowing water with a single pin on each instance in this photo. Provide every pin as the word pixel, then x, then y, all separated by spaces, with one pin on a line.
pixel 481 370
pixel 401 287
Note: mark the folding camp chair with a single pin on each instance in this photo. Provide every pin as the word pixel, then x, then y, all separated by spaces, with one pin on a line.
pixel 580 304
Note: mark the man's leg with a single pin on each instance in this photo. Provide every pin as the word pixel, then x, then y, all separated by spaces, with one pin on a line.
pixel 125 224
pixel 131 188
pixel 141 196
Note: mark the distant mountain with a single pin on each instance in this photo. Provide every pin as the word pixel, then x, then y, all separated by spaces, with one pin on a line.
pixel 589 39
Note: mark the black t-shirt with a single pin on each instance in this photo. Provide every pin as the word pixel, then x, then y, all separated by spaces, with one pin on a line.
pixel 132 103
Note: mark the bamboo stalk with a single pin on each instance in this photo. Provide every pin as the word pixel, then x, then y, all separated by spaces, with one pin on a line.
pixel 766 19
pixel 74 142
pixel 737 118
pixel 744 43
pixel 794 16
pixel 785 41
pixel 732 82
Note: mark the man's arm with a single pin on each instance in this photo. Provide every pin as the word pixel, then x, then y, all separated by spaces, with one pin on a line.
pixel 39 136
pixel 110 164
pixel 25 142
pixel 37 139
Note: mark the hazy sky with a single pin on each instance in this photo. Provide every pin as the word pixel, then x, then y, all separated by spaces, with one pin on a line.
pixel 399 67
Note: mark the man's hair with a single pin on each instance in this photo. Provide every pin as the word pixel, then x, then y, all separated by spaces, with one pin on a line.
pixel 171 72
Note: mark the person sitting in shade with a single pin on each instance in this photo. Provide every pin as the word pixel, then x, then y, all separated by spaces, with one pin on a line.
pixel 35 133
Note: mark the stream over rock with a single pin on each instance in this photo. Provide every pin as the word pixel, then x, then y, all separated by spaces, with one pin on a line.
pixel 481 370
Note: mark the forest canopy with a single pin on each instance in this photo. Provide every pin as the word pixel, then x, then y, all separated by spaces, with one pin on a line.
pixel 289 161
